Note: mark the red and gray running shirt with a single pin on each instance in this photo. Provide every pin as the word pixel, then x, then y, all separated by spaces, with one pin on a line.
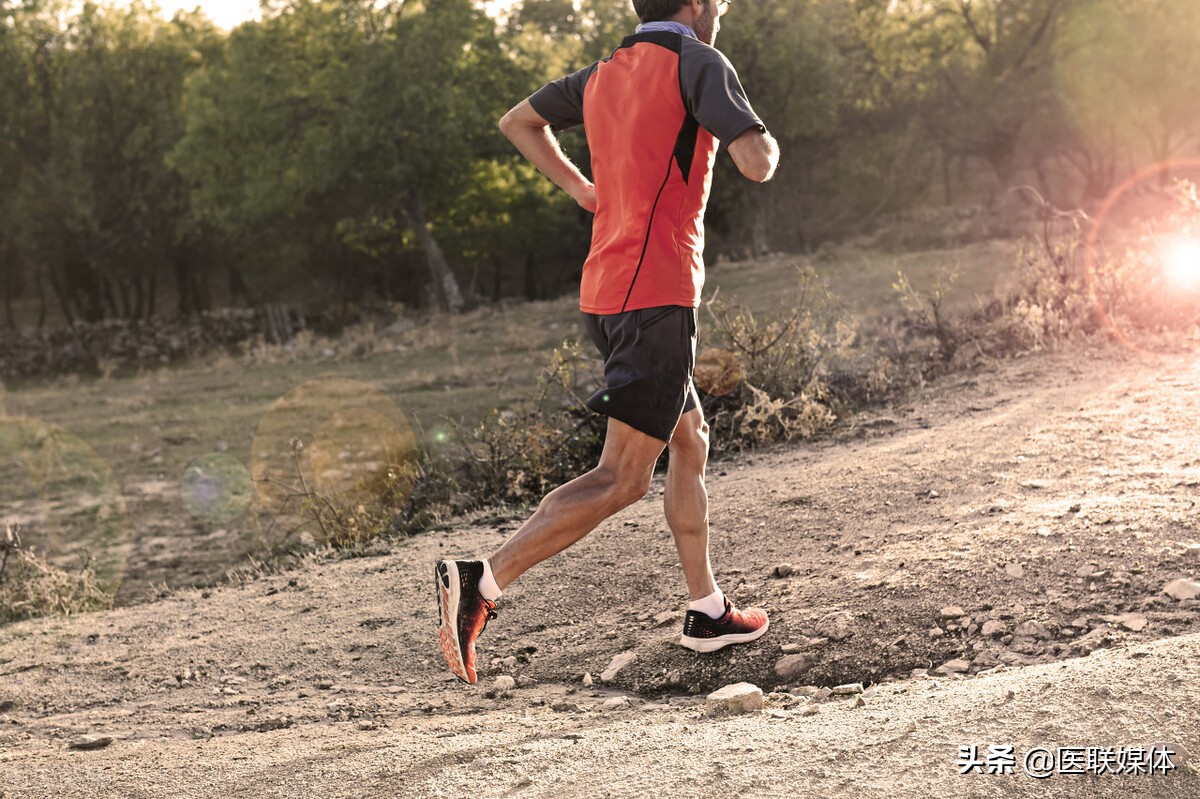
pixel 654 113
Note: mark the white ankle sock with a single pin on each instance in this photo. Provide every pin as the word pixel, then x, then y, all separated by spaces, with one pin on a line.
pixel 487 584
pixel 712 605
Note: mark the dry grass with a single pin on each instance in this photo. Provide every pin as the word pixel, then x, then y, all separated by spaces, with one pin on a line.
pixel 32 587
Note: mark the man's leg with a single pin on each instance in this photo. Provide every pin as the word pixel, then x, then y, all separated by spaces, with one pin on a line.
pixel 573 510
pixel 686 501
pixel 712 622
pixel 466 595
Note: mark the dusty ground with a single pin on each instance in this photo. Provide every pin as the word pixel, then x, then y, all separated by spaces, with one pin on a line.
pixel 1054 496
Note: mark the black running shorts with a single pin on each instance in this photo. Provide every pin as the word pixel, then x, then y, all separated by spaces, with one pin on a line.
pixel 649 355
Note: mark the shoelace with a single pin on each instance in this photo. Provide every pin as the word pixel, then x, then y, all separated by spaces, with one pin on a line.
pixel 491 614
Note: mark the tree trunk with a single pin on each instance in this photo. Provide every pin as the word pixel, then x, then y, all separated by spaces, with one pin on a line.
pixel 237 285
pixel 151 295
pixel 530 282
pixel 42 304
pixel 63 300
pixel 446 293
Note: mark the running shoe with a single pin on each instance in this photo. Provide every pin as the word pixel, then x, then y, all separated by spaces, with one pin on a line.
pixel 464 613
pixel 701 633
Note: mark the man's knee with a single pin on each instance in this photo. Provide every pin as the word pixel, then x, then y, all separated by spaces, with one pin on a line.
pixel 623 487
pixel 690 442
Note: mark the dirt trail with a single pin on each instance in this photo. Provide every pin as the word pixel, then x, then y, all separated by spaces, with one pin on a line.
pixel 1050 499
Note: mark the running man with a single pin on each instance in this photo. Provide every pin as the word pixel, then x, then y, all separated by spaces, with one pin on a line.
pixel 654 113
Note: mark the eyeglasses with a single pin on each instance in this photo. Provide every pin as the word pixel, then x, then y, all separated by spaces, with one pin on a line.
pixel 722 7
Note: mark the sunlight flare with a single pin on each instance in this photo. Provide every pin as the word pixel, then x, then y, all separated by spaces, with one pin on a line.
pixel 1182 263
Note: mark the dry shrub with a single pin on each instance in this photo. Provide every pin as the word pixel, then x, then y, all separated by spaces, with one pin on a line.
pixel 787 359
pixel 31 587
pixel 519 455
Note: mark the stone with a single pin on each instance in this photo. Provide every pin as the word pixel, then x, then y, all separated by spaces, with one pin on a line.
pixel 87 743
pixel 615 703
pixel 503 684
pixel 616 664
pixel 1132 621
pixel 1084 571
pixel 836 626
pixel 952 612
pixel 956 666
pixel 822 694
pixel 1182 589
pixel 936 632
pixel 1091 642
pixel 1192 551
pixel 742 697
pixel 1014 570
pixel 563 706
pixel 791 667
pixel 783 570
pixel 993 628
pixel 789 649
pixel 666 617
pixel 525 681
pixel 1031 629
pixel 848 689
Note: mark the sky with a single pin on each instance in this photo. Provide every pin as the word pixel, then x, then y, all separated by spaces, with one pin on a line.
pixel 231 13
pixel 226 13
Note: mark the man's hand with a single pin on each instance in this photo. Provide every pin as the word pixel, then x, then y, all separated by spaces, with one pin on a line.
pixel 756 155
pixel 586 197
pixel 530 132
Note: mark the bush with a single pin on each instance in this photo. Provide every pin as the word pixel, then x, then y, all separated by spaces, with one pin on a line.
pixel 786 360
pixel 519 455
pixel 31 587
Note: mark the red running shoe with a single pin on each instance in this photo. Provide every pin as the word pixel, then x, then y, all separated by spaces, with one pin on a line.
pixel 704 634
pixel 464 612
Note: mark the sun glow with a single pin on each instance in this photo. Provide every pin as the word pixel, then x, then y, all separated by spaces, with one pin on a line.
pixel 1182 263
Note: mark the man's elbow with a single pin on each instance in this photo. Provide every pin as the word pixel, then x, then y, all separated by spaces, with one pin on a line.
pixel 762 169
pixel 507 122
pixel 756 155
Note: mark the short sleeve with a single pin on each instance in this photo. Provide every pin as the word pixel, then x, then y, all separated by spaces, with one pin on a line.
pixel 560 102
pixel 714 95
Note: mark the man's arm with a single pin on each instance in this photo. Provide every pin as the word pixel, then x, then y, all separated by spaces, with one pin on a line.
pixel 756 154
pixel 531 134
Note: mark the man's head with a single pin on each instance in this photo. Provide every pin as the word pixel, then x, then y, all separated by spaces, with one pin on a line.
pixel 703 16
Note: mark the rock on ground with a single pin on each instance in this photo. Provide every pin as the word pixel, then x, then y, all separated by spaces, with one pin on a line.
pixel 616 664
pixel 742 697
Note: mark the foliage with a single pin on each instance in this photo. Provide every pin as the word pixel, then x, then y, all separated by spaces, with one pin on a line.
pixel 346 151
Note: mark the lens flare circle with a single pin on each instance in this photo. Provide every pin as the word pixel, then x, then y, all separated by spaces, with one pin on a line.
pixel 65 498
pixel 336 438
pixel 1182 264
pixel 216 488
pixel 1093 237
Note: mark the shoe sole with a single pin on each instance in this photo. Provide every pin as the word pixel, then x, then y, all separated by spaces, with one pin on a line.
pixel 722 641
pixel 449 588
